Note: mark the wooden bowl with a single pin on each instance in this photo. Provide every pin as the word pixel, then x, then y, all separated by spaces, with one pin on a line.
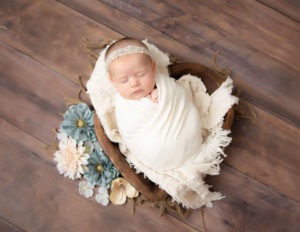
pixel 211 80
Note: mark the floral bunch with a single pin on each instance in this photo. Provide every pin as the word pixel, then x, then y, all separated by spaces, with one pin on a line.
pixel 80 155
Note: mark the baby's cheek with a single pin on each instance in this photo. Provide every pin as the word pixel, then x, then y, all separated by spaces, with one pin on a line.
pixel 123 91
pixel 151 82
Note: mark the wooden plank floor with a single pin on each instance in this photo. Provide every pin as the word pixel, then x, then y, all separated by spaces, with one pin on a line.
pixel 41 54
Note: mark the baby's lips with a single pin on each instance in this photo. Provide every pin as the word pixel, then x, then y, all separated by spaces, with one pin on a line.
pixel 137 91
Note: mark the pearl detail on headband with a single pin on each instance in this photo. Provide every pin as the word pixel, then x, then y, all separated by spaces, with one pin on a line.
pixel 130 49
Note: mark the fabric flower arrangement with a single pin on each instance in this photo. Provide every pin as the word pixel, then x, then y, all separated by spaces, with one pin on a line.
pixel 80 155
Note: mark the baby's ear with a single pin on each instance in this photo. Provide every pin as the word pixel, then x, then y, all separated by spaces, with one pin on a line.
pixel 153 65
pixel 111 79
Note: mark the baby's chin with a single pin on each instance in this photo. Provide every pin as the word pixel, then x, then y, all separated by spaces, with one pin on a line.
pixel 137 96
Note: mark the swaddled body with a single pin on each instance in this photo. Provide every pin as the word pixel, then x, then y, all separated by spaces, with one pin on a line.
pixel 163 135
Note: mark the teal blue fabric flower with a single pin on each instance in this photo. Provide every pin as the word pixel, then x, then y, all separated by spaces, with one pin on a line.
pixel 79 123
pixel 101 171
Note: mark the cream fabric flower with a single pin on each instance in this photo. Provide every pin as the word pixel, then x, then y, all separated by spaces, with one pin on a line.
pixel 71 159
pixel 86 189
pixel 120 189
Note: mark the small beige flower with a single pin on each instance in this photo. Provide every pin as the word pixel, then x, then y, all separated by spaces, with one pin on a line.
pixel 120 189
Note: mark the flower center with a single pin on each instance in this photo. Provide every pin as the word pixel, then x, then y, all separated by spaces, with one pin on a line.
pixel 99 168
pixel 80 123
pixel 122 187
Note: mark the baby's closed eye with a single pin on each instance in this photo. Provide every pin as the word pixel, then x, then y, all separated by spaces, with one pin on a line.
pixel 139 74
pixel 123 80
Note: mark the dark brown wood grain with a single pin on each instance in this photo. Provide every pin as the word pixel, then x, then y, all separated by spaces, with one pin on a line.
pixel 248 206
pixel 208 20
pixel 288 8
pixel 51 33
pixel 268 149
pixel 5 226
pixel 33 94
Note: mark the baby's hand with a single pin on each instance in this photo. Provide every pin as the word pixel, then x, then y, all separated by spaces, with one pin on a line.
pixel 153 96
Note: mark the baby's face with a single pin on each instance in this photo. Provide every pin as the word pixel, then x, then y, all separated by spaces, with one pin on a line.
pixel 133 75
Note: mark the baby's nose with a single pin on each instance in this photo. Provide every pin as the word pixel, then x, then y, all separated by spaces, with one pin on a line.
pixel 134 82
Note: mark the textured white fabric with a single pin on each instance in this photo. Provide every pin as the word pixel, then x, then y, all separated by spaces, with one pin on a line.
pixel 183 182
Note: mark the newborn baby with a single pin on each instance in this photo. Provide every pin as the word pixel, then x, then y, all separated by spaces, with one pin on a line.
pixel 132 74
pixel 165 133
pixel 169 130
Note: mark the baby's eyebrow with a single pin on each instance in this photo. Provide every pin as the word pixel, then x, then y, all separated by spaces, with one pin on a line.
pixel 118 78
pixel 121 77
pixel 140 70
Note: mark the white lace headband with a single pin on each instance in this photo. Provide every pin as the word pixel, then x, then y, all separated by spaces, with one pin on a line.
pixel 130 49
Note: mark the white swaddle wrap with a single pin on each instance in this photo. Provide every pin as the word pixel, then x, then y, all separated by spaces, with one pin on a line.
pixel 164 140
pixel 162 135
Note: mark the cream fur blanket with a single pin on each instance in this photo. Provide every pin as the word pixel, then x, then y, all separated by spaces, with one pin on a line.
pixel 176 142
